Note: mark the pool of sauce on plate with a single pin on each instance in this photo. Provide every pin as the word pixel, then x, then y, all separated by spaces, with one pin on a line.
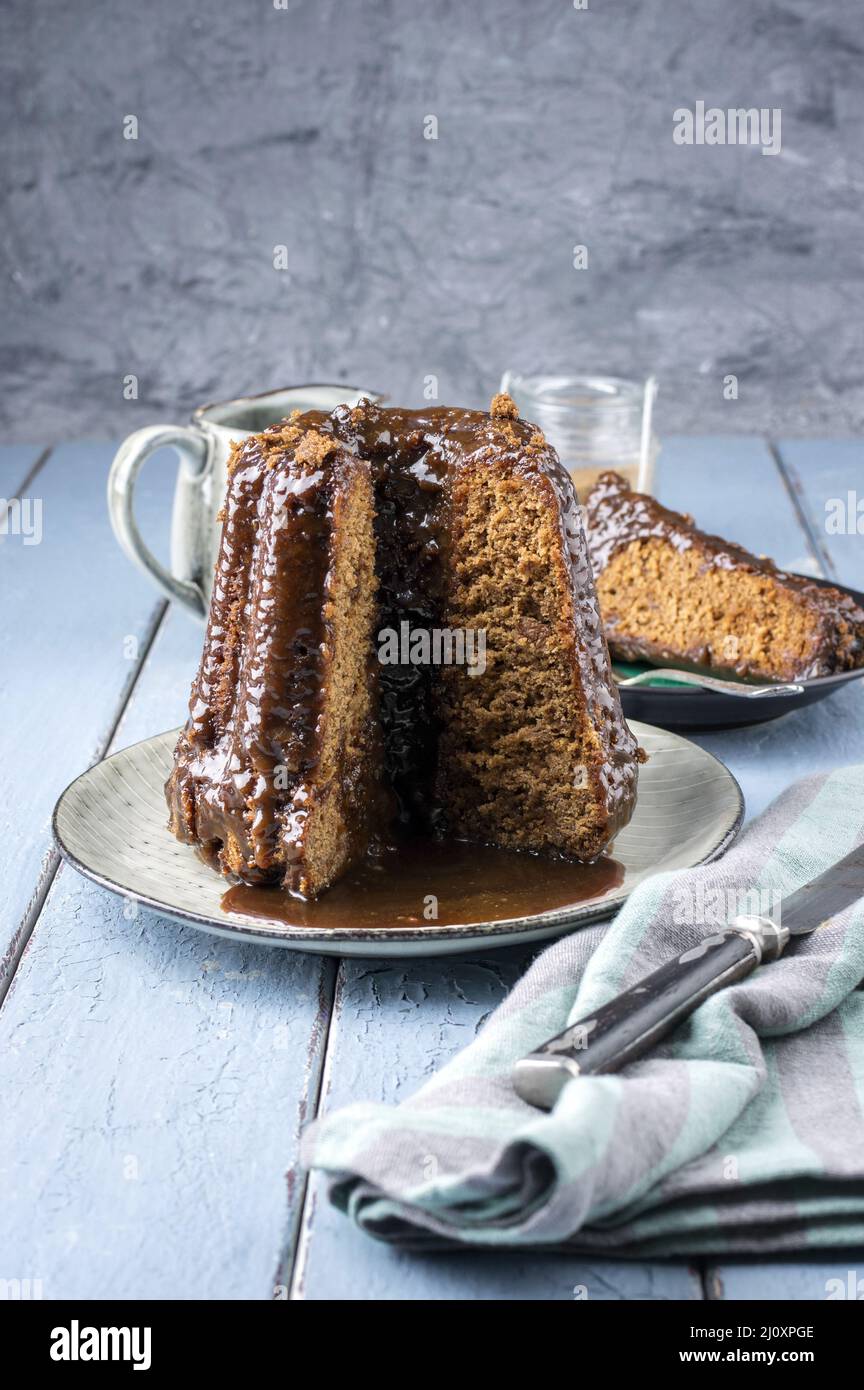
pixel 470 883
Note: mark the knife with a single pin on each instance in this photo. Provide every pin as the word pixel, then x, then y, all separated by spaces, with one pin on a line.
pixel 630 1024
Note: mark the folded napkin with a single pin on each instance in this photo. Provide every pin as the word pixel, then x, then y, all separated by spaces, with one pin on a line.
pixel 743 1132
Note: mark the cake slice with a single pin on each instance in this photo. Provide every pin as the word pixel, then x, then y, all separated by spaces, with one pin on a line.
pixel 671 594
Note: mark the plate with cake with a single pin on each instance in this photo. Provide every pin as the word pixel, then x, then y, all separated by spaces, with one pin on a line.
pixel 691 606
pixel 404 733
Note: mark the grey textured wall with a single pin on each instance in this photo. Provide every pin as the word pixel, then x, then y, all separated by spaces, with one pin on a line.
pixel 303 126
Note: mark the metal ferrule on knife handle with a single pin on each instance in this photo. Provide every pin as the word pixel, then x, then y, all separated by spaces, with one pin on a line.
pixel 626 1027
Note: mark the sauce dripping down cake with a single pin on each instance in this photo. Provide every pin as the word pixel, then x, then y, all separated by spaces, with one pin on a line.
pixel 304 748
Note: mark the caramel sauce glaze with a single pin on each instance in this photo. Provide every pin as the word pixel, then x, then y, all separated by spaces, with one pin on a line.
pixel 472 884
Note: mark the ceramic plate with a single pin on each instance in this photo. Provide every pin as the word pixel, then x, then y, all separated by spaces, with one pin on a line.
pixel 110 825
pixel 687 707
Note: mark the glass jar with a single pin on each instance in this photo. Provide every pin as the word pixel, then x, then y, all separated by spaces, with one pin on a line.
pixel 594 422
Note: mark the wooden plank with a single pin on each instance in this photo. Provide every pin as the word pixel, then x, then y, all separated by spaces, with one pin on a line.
pixel 840 1278
pixel 159 1079
pixel 344 1264
pixel 75 620
pixel 822 474
pixel 160 699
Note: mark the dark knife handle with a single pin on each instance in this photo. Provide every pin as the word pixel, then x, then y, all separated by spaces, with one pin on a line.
pixel 631 1023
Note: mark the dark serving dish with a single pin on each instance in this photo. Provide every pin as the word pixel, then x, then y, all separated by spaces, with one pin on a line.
pixel 690 707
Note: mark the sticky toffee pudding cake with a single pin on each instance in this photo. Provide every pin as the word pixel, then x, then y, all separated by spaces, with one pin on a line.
pixel 304 746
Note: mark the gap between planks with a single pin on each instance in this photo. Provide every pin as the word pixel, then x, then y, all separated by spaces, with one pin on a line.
pixel 793 489
pixel 293 1261
pixel 35 467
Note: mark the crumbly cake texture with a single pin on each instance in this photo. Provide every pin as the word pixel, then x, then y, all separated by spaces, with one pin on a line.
pixel 302 750
pixel 672 594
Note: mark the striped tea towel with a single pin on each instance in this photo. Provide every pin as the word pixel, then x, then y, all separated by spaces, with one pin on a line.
pixel 743 1132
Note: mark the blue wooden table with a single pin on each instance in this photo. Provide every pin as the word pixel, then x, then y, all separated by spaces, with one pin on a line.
pixel 156 1081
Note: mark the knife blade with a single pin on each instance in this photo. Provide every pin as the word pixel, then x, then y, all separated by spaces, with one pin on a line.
pixel 630 1024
